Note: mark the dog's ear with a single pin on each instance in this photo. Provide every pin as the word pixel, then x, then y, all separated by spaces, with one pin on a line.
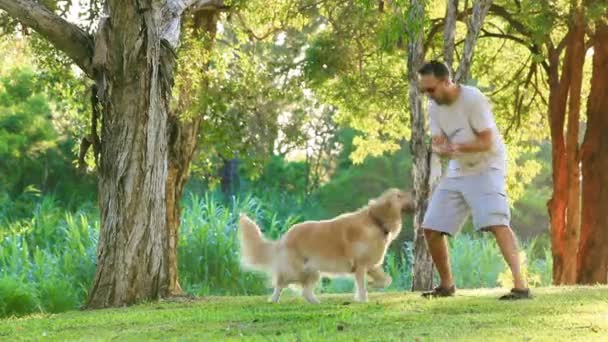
pixel 389 203
pixel 381 205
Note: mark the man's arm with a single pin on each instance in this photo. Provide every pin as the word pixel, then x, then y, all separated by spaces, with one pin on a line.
pixel 481 121
pixel 482 143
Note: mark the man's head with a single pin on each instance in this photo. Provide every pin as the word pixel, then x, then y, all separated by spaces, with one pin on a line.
pixel 435 81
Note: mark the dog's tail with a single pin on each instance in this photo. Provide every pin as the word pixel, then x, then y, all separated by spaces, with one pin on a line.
pixel 256 251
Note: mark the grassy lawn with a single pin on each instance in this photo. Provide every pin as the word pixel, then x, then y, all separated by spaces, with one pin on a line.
pixel 563 314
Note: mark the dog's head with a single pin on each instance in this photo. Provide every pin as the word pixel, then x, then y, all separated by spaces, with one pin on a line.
pixel 394 202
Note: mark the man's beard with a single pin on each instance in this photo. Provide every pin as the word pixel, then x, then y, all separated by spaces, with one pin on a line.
pixel 441 101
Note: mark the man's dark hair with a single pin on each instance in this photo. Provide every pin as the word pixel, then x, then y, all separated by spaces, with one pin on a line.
pixel 435 68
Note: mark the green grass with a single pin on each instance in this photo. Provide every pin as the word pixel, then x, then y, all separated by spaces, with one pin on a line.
pixel 565 314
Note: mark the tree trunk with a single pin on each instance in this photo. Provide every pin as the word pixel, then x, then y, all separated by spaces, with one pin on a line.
pixel 230 177
pixel 558 203
pixel 182 146
pixel 423 264
pixel 559 88
pixel 576 49
pixel 449 33
pixel 593 253
pixel 480 9
pixel 432 167
pixel 183 140
pixel 145 153
pixel 132 257
pixel 133 261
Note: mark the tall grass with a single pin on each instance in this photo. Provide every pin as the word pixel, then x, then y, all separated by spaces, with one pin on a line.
pixel 208 246
pixel 47 261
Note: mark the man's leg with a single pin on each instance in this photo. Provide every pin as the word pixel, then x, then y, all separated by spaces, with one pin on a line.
pixel 445 214
pixel 438 248
pixel 508 247
pixel 488 201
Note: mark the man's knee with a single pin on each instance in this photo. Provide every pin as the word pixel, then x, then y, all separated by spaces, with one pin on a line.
pixel 497 229
pixel 432 235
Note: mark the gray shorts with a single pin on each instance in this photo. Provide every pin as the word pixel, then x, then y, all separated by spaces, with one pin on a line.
pixel 482 195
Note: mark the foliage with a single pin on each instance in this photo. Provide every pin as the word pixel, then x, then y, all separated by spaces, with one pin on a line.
pixel 34 149
pixel 253 103
pixel 25 135
pixel 347 68
pixel 282 176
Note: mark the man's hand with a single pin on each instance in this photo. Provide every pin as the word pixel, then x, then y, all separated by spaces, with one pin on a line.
pixel 444 150
pixel 441 146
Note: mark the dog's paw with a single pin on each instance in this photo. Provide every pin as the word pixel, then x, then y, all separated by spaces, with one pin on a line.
pixel 313 300
pixel 382 283
pixel 361 298
pixel 387 281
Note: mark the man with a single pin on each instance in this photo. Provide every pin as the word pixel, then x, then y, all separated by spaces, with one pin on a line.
pixel 463 129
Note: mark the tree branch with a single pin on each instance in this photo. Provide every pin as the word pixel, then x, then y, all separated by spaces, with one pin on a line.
pixel 519 99
pixel 255 36
pixel 172 14
pixel 178 7
pixel 521 29
pixel 533 48
pixel 562 44
pixel 508 17
pixel 540 93
pixel 505 36
pixel 65 36
pixel 512 81
pixel 480 10
pixel 439 24
pixel 449 33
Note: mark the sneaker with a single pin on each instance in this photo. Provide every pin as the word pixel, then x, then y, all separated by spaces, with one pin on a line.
pixel 440 292
pixel 516 294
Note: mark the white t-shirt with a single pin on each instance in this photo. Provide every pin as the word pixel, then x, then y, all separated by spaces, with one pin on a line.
pixel 458 121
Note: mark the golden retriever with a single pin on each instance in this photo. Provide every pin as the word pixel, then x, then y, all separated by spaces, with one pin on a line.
pixel 350 244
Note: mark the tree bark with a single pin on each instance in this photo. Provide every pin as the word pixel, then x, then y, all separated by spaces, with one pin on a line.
pixel 576 47
pixel 423 264
pixel 593 254
pixel 557 204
